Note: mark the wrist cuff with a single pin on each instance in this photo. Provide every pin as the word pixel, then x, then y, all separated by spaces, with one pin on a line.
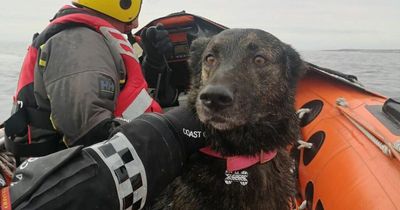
pixel 150 64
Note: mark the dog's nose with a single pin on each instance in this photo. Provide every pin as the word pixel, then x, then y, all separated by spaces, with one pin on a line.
pixel 216 97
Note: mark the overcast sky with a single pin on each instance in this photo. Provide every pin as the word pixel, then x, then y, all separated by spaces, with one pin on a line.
pixel 305 24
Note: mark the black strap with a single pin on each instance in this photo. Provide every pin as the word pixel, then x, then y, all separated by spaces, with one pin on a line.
pixel 131 38
pixel 391 107
pixel 17 124
pixel 46 146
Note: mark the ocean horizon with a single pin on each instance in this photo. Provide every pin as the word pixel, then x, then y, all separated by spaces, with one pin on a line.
pixel 377 69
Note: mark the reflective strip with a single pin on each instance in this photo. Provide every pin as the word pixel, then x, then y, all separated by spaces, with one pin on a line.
pixel 141 103
pixel 137 49
pixel 5 200
pixel 42 63
pixel 126 169
pixel 52 121
pixel 118 43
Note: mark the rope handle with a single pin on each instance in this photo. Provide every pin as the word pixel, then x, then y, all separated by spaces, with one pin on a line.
pixel 302 112
pixel 304 144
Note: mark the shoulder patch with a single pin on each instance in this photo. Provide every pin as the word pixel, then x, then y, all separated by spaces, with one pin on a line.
pixel 106 88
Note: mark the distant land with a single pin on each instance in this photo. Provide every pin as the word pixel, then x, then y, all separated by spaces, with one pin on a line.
pixel 367 50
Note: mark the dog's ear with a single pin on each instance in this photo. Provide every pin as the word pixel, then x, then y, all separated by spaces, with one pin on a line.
pixel 196 51
pixel 294 64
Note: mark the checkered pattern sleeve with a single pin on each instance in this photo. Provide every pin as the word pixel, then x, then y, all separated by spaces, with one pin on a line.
pixel 126 169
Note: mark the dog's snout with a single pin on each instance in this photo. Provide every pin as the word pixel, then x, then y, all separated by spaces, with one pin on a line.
pixel 216 97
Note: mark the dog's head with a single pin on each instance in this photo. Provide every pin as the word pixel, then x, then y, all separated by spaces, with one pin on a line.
pixel 243 76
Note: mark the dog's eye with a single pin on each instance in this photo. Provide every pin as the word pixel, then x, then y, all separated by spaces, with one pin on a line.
pixel 259 60
pixel 210 60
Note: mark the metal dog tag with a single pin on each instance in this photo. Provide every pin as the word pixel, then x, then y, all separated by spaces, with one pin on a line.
pixel 236 176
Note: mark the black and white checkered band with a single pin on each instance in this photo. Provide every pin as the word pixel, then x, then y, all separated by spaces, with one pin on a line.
pixel 127 170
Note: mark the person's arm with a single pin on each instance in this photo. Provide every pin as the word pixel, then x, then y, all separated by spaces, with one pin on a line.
pixel 156 47
pixel 81 82
pixel 129 169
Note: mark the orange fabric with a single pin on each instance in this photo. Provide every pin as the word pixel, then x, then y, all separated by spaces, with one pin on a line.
pixel 348 172
pixel 5 201
pixel 175 21
pixel 178 37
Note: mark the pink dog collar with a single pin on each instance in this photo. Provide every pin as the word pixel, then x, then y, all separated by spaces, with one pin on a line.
pixel 239 162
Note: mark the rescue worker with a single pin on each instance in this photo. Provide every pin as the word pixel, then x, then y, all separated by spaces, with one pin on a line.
pixel 81 75
pixel 128 171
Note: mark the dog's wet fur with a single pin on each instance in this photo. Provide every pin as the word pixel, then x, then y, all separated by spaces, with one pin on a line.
pixel 243 91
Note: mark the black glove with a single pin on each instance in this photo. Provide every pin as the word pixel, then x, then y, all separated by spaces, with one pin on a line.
pixel 156 44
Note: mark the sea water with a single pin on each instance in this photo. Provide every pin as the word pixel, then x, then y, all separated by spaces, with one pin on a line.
pixel 11 57
pixel 378 70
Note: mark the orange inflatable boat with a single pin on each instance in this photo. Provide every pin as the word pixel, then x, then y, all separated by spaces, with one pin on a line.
pixel 353 161
pixel 349 154
pixel 349 157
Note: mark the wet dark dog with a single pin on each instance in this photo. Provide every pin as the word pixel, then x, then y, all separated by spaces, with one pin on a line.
pixel 243 91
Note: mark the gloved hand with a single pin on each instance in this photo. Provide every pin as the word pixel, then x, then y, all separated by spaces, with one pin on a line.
pixel 156 44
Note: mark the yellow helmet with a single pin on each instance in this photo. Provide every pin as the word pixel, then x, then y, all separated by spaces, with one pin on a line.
pixel 122 10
